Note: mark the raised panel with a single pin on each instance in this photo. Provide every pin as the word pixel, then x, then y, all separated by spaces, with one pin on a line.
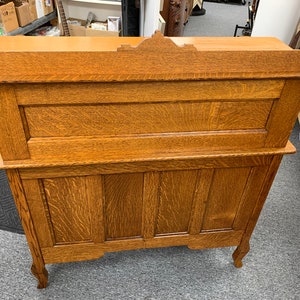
pixel 225 194
pixel 176 194
pixel 123 205
pixel 70 209
pixel 127 119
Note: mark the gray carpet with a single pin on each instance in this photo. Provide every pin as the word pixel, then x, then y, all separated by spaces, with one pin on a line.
pixel 9 219
pixel 220 20
pixel 271 269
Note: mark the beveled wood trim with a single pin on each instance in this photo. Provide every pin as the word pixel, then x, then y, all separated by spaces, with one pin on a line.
pixel 13 144
pixel 168 165
pixel 142 147
pixel 38 169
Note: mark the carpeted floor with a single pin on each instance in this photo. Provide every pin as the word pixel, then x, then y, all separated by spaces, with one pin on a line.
pixel 220 20
pixel 270 272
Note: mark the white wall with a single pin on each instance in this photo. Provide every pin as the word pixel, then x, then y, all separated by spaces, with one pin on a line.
pixel 80 9
pixel 277 18
pixel 150 16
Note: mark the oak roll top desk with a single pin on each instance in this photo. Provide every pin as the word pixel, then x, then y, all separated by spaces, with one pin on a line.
pixel 121 143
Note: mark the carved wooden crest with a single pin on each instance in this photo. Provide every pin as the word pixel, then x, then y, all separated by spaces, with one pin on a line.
pixel 158 42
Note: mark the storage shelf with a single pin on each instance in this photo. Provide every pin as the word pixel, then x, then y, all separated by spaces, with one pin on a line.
pixel 35 24
pixel 107 2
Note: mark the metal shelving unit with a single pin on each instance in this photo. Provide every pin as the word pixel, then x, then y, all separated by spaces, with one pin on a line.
pixel 35 24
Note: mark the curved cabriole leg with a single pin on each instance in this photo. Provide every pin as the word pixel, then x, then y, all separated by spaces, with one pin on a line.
pixel 41 275
pixel 239 253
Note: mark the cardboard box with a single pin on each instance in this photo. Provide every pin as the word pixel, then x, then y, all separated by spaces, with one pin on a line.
pixel 32 9
pixel 8 17
pixel 77 28
pixel 43 7
pixel 23 14
pixel 96 32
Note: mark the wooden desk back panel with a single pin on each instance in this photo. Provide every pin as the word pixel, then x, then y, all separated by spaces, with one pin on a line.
pixel 146 151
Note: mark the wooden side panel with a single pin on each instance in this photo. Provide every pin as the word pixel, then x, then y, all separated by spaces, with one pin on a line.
pixel 175 201
pixel 12 135
pixel 252 191
pixel 283 115
pixel 107 120
pixel 225 195
pixel 123 205
pixel 70 209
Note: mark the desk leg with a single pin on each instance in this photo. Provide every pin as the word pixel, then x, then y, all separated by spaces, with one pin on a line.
pixel 38 267
pixel 244 246
pixel 41 275
pixel 239 253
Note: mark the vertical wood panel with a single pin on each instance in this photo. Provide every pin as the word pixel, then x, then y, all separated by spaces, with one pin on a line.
pixel 176 198
pixel 123 205
pixel 70 208
pixel 150 203
pixel 204 180
pixel 39 212
pixel 224 198
pixel 95 195
pixel 251 192
pixel 13 144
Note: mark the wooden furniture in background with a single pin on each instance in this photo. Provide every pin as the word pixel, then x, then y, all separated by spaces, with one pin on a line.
pixel 111 147
pixel 176 14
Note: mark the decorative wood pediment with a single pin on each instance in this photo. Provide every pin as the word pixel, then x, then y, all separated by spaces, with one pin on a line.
pixel 158 43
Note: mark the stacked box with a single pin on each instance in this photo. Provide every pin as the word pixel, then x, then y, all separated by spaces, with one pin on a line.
pixel 8 17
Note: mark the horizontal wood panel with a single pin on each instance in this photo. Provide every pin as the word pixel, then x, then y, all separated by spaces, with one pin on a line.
pixel 147 65
pixel 132 92
pixel 111 120
pixel 21 43
pixel 191 164
pixel 126 149
pixel 86 251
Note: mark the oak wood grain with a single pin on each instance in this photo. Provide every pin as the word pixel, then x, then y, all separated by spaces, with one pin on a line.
pixel 154 91
pixel 13 144
pixel 130 146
